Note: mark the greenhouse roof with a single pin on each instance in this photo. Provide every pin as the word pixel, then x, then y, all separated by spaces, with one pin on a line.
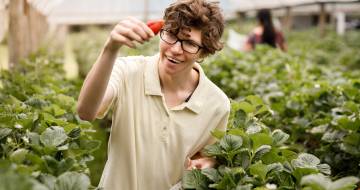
pixel 111 11
pixel 249 5
pixel 105 11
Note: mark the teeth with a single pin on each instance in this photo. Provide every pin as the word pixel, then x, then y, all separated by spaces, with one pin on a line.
pixel 173 60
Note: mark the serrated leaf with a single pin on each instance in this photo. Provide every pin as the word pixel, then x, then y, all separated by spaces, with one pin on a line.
pixel 275 167
pixel 324 168
pixel 212 174
pixel 316 181
pixel 4 132
pixel 213 150
pixel 218 134
pixel 239 119
pixel 258 169
pixel 243 158
pixel 34 138
pixel 279 137
pixel 194 179
pixel 72 181
pixel 306 160
pixel 89 145
pixel 19 155
pixel 346 183
pixel 53 136
pixel 244 187
pixel 259 152
pixel 260 139
pixel 75 133
pixel 253 128
pixel 231 143
pixel 246 107
pixel 254 100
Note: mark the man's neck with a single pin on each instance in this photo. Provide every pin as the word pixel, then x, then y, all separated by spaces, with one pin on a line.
pixel 170 83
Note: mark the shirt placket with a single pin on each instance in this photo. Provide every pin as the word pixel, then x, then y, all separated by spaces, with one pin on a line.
pixel 164 123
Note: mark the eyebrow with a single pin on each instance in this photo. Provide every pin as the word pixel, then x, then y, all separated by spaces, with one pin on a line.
pixel 189 39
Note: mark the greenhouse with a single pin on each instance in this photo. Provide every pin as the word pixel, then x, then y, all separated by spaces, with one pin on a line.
pixel 99 94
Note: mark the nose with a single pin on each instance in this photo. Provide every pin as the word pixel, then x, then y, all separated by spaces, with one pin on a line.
pixel 177 47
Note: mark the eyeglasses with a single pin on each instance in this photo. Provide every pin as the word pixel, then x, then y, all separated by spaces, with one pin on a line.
pixel 187 45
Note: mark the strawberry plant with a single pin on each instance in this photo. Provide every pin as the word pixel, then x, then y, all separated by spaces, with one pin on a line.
pixel 251 156
pixel 316 103
pixel 44 144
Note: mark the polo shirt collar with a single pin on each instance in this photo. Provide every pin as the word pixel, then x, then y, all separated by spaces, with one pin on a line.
pixel 151 77
pixel 152 86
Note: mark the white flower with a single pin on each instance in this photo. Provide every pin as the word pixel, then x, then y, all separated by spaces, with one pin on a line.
pixel 271 186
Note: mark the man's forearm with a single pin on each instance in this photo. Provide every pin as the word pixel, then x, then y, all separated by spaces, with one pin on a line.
pixel 95 84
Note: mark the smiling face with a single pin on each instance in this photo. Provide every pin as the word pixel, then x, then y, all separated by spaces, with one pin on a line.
pixel 173 59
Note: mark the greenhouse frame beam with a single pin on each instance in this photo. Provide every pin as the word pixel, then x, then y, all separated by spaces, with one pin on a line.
pixel 283 4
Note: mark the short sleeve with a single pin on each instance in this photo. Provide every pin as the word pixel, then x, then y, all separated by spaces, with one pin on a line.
pixel 222 125
pixel 116 82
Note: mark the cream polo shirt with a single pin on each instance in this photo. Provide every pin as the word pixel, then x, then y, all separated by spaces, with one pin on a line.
pixel 149 143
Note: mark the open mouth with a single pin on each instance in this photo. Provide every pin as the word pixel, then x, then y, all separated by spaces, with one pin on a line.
pixel 174 61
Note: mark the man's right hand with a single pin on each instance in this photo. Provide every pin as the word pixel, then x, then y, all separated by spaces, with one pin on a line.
pixel 127 32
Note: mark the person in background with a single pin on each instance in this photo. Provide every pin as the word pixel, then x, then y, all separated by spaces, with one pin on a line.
pixel 164 106
pixel 265 33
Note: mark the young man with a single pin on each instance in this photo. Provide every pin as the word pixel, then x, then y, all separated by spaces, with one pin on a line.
pixel 164 107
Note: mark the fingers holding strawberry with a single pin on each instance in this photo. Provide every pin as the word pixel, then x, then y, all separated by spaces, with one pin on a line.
pixel 155 25
pixel 129 31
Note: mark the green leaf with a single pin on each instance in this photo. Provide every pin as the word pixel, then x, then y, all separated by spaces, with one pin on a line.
pixel 194 179
pixel 351 144
pixel 57 110
pixel 260 139
pixel 4 132
pixel 321 182
pixel 75 133
pixel 306 160
pixel 259 152
pixel 213 150
pixel 244 187
pixel 231 143
pixel 34 138
pixel 246 107
pixel 89 145
pixel 239 119
pixel 218 134
pixel 259 169
pixel 53 136
pixel 316 182
pixel 279 137
pixel 72 181
pixel 345 183
pixel 212 174
pixel 19 155
pixel 275 168
pixel 243 158
pixel 253 128
pixel 254 100
pixel 324 168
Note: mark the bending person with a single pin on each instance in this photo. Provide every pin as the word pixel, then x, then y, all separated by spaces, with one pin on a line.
pixel 265 33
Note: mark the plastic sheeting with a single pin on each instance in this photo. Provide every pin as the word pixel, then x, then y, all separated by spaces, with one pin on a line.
pixel 111 11
pixel 248 5
pixel 107 11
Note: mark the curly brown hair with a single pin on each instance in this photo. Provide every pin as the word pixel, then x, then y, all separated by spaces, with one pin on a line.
pixel 199 14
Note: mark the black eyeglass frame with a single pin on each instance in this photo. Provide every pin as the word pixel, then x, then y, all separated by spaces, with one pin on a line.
pixel 178 40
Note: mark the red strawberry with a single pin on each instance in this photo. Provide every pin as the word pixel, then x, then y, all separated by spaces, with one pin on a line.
pixel 155 25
